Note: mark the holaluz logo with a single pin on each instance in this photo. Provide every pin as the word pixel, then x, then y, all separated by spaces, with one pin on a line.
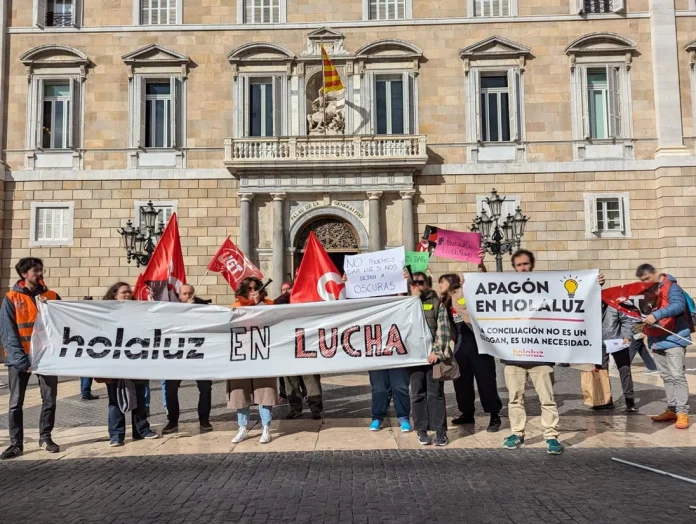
pixel 135 348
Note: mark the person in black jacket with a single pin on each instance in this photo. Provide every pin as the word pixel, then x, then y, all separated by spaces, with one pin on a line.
pixel 472 365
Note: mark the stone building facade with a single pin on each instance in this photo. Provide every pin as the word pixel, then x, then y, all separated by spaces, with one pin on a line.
pixel 209 108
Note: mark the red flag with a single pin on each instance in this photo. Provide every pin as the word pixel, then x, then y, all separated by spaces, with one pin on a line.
pixel 165 272
pixel 317 278
pixel 233 264
pixel 635 300
pixel 428 241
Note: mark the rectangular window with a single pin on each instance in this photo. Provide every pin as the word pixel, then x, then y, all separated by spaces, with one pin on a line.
pixel 167 208
pixel 158 114
pixel 261 11
pixel 389 98
pixel 609 215
pixel 486 8
pixel 598 103
pixel 495 109
pixel 158 12
pixel 598 6
pixel 387 9
pixel 56 115
pixel 60 13
pixel 53 224
pixel 261 108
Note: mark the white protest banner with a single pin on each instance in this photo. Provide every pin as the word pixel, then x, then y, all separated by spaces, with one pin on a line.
pixel 165 340
pixel 546 316
pixel 376 274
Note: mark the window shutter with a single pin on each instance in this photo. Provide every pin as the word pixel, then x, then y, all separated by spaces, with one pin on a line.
pixel 618 6
pixel 370 104
pixel 593 218
pixel 247 108
pixel 407 85
pixel 622 211
pixel 38 134
pixel 140 111
pixel 475 98
pixel 278 106
pixel 582 74
pixel 76 13
pixel 248 13
pixel 174 110
pixel 614 101
pixel 40 13
pixel 74 122
pixel 579 6
pixel 513 94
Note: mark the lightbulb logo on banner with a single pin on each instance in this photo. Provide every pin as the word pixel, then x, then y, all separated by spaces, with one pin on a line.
pixel 571 285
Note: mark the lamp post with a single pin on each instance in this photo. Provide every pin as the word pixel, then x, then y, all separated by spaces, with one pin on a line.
pixel 499 238
pixel 140 244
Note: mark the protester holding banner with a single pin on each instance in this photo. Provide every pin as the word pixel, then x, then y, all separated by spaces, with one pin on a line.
pixel 541 374
pixel 117 420
pixel 427 394
pixel 242 393
pixel 668 328
pixel 17 319
pixel 617 327
pixel 472 364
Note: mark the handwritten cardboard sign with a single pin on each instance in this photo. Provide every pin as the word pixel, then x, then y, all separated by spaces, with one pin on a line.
pixel 375 274
pixel 418 260
pixel 457 245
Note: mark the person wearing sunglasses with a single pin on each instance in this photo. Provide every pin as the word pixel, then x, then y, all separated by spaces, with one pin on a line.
pixel 244 392
pixel 427 394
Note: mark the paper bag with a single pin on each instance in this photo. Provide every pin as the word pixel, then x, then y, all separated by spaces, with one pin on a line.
pixel 596 390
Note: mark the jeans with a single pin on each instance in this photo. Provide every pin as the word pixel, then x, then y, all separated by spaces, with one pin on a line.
pixel 481 368
pixel 671 363
pixel 314 393
pixel 117 420
pixel 623 364
pixel 164 395
pixel 205 389
pixel 638 346
pixel 147 394
pixel 265 413
pixel 542 378
pixel 427 400
pixel 18 387
pixel 86 386
pixel 386 383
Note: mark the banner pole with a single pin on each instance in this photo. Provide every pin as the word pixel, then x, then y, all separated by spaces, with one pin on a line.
pixel 675 334
pixel 201 279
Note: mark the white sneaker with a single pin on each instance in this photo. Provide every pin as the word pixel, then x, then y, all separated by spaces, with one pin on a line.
pixel 241 435
pixel 265 435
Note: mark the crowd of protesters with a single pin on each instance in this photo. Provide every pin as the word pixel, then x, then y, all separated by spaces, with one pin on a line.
pixel 417 392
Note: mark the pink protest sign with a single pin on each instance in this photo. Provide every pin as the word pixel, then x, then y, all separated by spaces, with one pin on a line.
pixel 458 245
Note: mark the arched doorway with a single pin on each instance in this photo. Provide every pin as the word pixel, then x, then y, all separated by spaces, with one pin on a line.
pixel 337 236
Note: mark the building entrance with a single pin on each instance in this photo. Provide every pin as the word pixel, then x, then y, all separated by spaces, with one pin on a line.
pixel 336 236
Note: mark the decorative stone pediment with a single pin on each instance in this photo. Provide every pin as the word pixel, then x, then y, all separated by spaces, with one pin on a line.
pixel 55 56
pixel 260 54
pixel 155 55
pixel 495 48
pixel 391 51
pixel 333 43
pixel 691 49
pixel 601 44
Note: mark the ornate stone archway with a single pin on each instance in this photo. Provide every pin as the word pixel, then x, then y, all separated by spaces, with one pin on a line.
pixel 332 212
pixel 334 235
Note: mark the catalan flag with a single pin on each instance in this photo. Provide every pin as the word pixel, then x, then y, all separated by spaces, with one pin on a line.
pixel 332 81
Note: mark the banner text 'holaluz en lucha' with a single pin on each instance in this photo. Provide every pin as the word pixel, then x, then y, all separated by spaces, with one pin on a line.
pixel 549 316
pixel 161 340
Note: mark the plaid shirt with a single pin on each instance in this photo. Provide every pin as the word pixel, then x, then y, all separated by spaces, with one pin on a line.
pixel 442 346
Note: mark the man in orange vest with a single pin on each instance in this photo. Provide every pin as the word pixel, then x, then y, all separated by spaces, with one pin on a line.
pixel 17 317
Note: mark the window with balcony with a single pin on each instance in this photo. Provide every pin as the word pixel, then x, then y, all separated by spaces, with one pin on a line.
pixel 388 9
pixel 157 12
pixel 599 6
pixel 607 215
pixel 51 224
pixel 394 103
pixel 57 13
pixel 261 104
pixel 56 119
pixel 158 113
pixel 496 97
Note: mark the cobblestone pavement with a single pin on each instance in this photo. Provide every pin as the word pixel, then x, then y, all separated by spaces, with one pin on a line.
pixel 451 486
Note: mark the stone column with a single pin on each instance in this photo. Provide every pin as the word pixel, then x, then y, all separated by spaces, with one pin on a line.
pixel 668 117
pixel 245 223
pixel 374 232
pixel 407 233
pixel 277 273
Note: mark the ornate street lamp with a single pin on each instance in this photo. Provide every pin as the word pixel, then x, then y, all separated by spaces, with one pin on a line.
pixel 499 238
pixel 140 244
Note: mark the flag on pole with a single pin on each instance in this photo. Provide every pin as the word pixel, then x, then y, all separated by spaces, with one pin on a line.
pixel 317 278
pixel 332 80
pixel 233 264
pixel 428 241
pixel 165 272
pixel 635 300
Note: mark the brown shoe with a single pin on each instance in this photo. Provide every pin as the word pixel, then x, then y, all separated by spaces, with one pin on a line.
pixel 682 421
pixel 667 416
